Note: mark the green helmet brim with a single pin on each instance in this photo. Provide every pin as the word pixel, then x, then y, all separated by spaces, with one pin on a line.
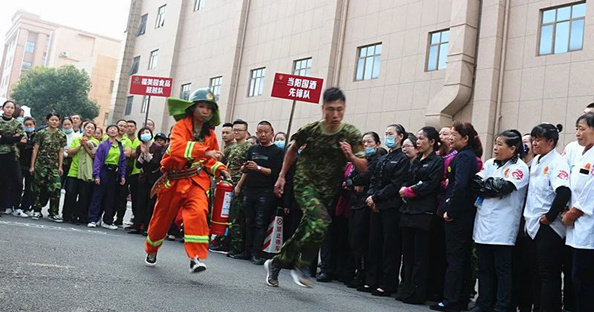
pixel 178 110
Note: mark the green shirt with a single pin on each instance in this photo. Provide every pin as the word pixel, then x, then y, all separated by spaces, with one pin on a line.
pixel 113 156
pixel 322 162
pixel 73 172
pixel 135 144
pixel 50 142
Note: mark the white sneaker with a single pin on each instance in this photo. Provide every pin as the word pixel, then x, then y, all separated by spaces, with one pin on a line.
pixel 109 226
pixel 30 213
pixel 20 213
pixel 36 215
pixel 8 211
pixel 196 266
pixel 92 224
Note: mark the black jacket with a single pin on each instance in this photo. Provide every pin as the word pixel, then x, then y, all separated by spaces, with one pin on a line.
pixel 387 177
pixel 459 199
pixel 357 178
pixel 424 179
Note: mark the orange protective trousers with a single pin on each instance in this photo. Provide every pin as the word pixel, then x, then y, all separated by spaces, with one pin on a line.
pixel 191 199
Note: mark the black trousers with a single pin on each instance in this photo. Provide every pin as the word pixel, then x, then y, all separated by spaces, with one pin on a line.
pixel 259 205
pixel 583 279
pixel 76 203
pixel 131 187
pixel 415 261
pixel 522 268
pixel 359 239
pixel 143 210
pixel 569 303
pixel 437 254
pixel 384 249
pixel 495 277
pixel 546 248
pixel 27 198
pixel 336 258
pixel 458 234
pixel 11 183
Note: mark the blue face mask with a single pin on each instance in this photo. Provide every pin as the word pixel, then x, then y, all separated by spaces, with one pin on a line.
pixel 369 151
pixel 67 131
pixel 145 137
pixel 29 130
pixel 280 144
pixel 390 142
pixel 20 119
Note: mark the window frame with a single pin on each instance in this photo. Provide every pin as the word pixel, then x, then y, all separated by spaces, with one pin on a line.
pixel 142 27
pixel 160 21
pixel 199 5
pixel 29 44
pixel 302 71
pixel 182 92
pixel 365 58
pixel 439 46
pixel 129 104
pixel 256 82
pixel 135 65
pixel 153 59
pixel 555 24
pixel 145 102
pixel 216 88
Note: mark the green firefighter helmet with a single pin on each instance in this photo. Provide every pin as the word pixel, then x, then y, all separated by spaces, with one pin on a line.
pixel 178 107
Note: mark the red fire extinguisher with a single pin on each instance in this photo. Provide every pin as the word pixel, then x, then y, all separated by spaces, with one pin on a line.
pixel 220 210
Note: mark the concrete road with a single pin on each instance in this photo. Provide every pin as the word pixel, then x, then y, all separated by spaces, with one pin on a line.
pixel 45 266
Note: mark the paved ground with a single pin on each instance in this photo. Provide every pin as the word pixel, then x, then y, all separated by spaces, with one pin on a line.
pixel 46 266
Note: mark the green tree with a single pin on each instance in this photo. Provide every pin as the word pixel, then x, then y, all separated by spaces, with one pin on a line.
pixel 64 90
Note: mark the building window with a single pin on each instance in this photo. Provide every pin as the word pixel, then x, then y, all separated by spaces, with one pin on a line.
pixel 135 64
pixel 302 67
pixel 215 86
pixel 29 47
pixel 160 17
pixel 153 59
pixel 439 43
pixel 198 5
pixel 129 102
pixel 562 29
pixel 257 81
pixel 111 84
pixel 142 27
pixel 185 91
pixel 44 59
pixel 47 40
pixel 368 62
pixel 145 102
pixel 25 66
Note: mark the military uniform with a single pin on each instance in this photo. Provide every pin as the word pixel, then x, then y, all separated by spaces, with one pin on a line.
pixel 46 177
pixel 236 158
pixel 318 177
pixel 11 181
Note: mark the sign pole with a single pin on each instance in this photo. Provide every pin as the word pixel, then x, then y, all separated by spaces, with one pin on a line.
pixel 148 106
pixel 290 122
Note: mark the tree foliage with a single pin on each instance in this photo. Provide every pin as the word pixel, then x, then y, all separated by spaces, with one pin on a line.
pixel 64 90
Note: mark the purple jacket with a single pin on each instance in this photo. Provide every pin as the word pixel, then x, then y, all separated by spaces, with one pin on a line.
pixel 101 155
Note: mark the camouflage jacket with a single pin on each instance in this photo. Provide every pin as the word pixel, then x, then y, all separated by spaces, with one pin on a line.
pixel 8 129
pixel 50 143
pixel 236 158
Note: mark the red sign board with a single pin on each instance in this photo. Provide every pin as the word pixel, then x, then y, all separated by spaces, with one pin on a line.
pixel 300 88
pixel 154 86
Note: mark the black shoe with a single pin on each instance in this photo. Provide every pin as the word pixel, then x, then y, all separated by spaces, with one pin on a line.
pixel 196 266
pixel 151 259
pixel 443 307
pixel 324 278
pixel 355 284
pixel 380 292
pixel 365 288
pixel 241 256
pixel 271 273
pixel 257 260
pixel 134 232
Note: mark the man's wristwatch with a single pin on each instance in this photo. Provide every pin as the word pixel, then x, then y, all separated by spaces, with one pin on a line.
pixel 259 168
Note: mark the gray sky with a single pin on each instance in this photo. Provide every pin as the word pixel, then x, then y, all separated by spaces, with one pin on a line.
pixel 105 17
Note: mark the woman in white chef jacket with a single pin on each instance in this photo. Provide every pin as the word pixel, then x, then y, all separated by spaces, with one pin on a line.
pixel 548 195
pixel 501 187
pixel 580 217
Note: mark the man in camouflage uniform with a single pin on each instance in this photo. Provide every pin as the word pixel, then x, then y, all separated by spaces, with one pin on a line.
pixel 11 132
pixel 236 158
pixel 329 145
pixel 46 167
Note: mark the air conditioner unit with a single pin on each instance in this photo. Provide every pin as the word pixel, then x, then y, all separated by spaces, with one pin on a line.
pixel 64 54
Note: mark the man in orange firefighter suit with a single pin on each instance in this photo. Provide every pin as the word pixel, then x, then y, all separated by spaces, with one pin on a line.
pixel 192 155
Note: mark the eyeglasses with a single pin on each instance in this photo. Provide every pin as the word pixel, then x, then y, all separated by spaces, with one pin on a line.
pixel 238 130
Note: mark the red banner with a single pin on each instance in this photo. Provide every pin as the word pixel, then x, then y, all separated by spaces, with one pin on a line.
pixel 300 88
pixel 153 86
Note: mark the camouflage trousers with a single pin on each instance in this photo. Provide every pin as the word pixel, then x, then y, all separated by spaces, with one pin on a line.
pixel 236 234
pixel 302 248
pixel 46 186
